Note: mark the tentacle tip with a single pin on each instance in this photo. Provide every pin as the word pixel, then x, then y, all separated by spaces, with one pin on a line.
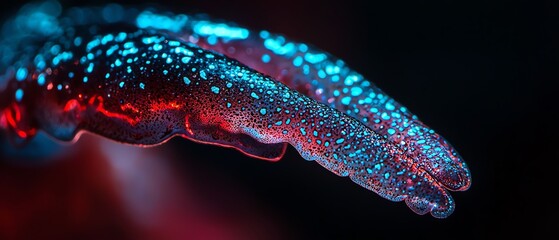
pixel 454 174
pixel 442 211
pixel 422 206
pixel 455 178
pixel 465 184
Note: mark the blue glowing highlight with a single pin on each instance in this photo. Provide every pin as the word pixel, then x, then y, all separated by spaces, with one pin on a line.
pixel 121 36
pixel 19 94
pixel 389 106
pixel 55 49
pixel 41 79
pixel 356 91
pixel 212 40
pixel 107 38
pixel 222 30
pixel 266 58
pixel 297 61
pixel 90 68
pixel 147 19
pixel 186 80
pixel 77 41
pixel 157 47
pixel 315 58
pixel 21 74
pixel 215 89
pixel 264 34
pixel 346 100
pixel 279 47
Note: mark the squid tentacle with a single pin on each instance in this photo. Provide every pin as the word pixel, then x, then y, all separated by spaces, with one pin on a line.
pixel 145 80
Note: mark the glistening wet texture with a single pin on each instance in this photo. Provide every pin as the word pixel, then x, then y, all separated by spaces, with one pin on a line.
pixel 328 80
pixel 142 83
pixel 324 78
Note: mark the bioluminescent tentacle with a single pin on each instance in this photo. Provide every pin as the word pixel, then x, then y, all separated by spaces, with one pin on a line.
pixel 144 78
pixel 143 88
pixel 326 79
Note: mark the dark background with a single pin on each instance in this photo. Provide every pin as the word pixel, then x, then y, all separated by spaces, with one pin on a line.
pixel 481 73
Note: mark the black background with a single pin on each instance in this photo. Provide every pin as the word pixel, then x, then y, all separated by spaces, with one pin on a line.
pixel 481 73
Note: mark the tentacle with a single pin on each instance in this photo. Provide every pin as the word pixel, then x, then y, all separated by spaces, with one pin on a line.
pixel 139 82
pixel 329 80
pixel 145 88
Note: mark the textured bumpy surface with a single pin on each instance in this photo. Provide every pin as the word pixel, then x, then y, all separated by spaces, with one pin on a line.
pixel 141 77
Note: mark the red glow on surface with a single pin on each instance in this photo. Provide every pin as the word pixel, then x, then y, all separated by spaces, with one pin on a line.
pixel 71 105
pixel 21 134
pixel 116 115
pixel 12 116
pixel 161 106
pixel 129 106
pixel 74 104
pixel 101 109
pixel 187 126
